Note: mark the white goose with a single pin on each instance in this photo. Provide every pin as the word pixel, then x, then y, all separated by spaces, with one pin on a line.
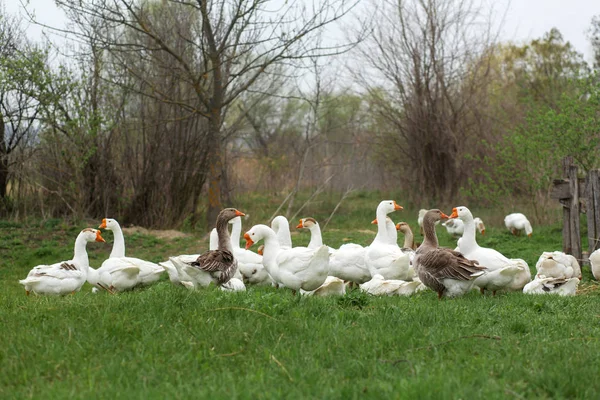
pixel 149 271
pixel 346 263
pixel 557 264
pixel 296 268
pixel 250 264
pixel 378 286
pixel 281 227
pixel 66 276
pixel 517 222
pixel 548 285
pixel 501 271
pixel 331 287
pixel 595 264
pixel 383 257
pixel 117 276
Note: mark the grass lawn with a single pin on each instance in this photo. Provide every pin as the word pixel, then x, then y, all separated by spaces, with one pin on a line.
pixel 167 342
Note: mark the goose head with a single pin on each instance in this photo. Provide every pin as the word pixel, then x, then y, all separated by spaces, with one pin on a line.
pixel 91 235
pixel 260 249
pixel 480 226
pixel 403 227
pixel 307 223
pixel 257 233
pixel 434 216
pixel 110 224
pixel 462 213
pixel 230 213
pixel 388 206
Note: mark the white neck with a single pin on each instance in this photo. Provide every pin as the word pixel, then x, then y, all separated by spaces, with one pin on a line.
pixel 80 255
pixel 214 240
pixel 468 243
pixel 236 231
pixel 392 233
pixel 118 249
pixel 316 240
pixel 93 277
pixel 382 234
pixel 281 226
pixel 270 251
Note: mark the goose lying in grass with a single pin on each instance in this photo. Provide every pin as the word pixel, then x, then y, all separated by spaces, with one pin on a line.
pixel 548 285
pixel 378 286
pixel 383 257
pixel 557 264
pixel 233 285
pixel 214 266
pixel 64 277
pixel 595 264
pixel 149 272
pixel 347 262
pixel 501 272
pixel 518 222
pixel 456 227
pixel 331 287
pixel 117 276
pixel 445 271
pixel 296 268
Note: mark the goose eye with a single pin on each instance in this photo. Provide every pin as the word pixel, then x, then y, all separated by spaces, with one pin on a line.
pixel 253 271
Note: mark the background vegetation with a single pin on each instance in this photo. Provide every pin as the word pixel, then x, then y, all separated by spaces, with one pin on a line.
pixel 160 112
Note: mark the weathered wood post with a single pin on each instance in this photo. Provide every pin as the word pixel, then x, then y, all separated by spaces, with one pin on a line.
pixel 592 185
pixel 575 235
pixel 567 191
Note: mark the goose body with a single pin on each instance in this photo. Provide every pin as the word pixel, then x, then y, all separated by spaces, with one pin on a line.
pixel 149 272
pixel 250 265
pixel 331 287
pixel 384 257
pixel 548 285
pixel 518 222
pixel 347 262
pixel 378 286
pixel 501 271
pixel 456 227
pixel 595 264
pixel 66 276
pixel 445 271
pixel 119 275
pixel 557 264
pixel 296 268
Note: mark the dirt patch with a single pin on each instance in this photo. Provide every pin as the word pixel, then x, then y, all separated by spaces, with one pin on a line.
pixel 169 234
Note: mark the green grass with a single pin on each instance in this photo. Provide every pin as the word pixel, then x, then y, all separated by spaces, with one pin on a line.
pixel 167 342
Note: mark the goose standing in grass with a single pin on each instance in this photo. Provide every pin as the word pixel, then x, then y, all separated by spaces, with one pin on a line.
pixel 117 276
pixel 382 257
pixel 149 271
pixel 445 271
pixel 66 276
pixel 595 264
pixel 518 222
pixel 456 227
pixel 501 271
pixel 557 264
pixel 296 268
pixel 214 266
pixel 378 286
pixel 347 262
pixel 281 227
pixel 549 285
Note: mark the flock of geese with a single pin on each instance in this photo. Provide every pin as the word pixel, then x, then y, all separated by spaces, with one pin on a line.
pixel 381 268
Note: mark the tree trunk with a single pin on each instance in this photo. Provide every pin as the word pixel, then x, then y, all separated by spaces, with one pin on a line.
pixel 3 160
pixel 215 172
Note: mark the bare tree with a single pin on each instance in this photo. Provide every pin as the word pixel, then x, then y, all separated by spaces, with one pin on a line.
pixel 231 45
pixel 424 75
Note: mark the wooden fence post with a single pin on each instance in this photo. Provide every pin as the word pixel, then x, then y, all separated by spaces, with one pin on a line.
pixel 566 203
pixel 593 209
pixel 575 234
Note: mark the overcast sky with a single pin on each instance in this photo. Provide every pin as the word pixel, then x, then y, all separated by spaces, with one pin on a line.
pixel 524 19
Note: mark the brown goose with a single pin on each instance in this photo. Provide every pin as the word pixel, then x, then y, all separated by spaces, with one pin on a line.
pixel 445 271
pixel 409 239
pixel 220 263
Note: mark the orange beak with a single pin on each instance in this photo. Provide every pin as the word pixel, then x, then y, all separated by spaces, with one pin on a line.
pixel 103 224
pixel 444 216
pixel 249 241
pixel 374 222
pixel 397 207
pixel 300 225
pixel 398 226
pixel 239 213
pixel 483 231
pixel 99 237
pixel 454 213
pixel 260 249
pixel 529 235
